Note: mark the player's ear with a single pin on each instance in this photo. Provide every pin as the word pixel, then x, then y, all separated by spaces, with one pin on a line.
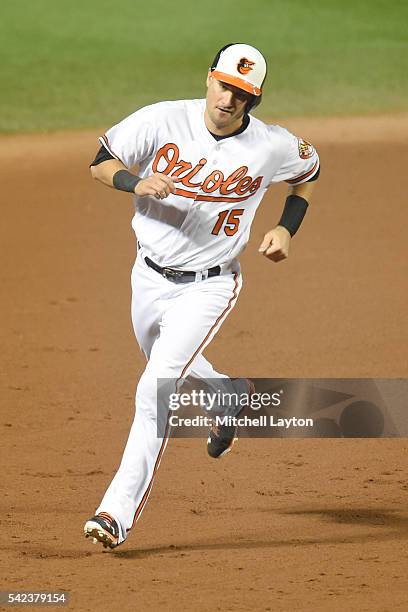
pixel 208 78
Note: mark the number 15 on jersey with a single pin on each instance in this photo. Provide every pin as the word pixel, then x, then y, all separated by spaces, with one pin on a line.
pixel 229 221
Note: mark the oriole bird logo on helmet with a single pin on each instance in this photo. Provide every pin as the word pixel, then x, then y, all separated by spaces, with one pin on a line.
pixel 244 65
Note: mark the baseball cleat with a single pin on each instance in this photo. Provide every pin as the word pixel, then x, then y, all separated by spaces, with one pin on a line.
pixel 102 528
pixel 221 438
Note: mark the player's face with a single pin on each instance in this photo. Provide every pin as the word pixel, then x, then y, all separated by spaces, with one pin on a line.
pixel 225 106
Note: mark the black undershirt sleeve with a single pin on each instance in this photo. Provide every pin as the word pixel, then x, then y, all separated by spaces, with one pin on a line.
pixel 314 177
pixel 101 156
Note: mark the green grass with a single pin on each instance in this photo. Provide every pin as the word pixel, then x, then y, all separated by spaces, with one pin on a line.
pixel 70 64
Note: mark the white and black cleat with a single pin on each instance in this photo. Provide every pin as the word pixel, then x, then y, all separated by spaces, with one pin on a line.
pixel 102 528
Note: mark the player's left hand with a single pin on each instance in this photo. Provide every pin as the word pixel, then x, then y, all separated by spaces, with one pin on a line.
pixel 275 245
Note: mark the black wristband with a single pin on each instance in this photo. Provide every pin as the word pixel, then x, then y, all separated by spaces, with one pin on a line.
pixel 125 181
pixel 293 213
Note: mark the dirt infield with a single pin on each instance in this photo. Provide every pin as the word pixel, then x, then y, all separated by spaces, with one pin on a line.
pixel 282 525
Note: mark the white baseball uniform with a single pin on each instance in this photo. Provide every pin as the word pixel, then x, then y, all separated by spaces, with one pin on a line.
pixel 205 223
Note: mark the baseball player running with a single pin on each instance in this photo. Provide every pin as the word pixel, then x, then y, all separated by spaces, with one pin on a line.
pixel 203 169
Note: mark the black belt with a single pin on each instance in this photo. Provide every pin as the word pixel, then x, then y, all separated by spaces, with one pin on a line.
pixel 181 276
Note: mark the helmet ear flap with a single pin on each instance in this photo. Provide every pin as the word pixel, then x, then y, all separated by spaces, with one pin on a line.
pixel 253 103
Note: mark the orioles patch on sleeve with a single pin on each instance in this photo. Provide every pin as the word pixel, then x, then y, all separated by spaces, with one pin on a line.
pixel 306 150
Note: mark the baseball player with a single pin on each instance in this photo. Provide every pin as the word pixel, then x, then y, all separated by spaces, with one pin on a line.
pixel 203 169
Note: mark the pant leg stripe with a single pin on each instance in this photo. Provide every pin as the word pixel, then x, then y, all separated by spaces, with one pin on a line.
pixel 145 497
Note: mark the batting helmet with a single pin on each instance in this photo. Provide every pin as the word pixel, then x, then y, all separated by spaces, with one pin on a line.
pixel 244 67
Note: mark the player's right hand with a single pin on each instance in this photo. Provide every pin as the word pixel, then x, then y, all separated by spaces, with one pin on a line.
pixel 158 185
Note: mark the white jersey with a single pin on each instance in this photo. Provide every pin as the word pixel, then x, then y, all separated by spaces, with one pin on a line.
pixel 219 184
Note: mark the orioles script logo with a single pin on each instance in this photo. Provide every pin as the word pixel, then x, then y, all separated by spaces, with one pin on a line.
pixel 236 187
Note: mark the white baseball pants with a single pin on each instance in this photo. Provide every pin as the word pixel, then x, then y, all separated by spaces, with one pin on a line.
pixel 173 323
